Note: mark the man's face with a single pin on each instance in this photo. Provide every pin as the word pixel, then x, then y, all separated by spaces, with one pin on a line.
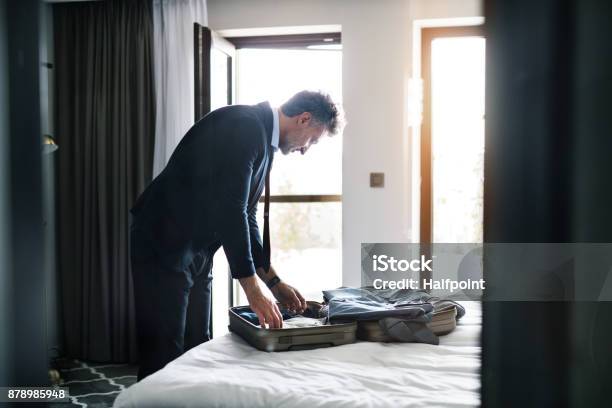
pixel 302 136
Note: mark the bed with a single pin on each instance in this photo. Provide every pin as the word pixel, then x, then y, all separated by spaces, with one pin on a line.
pixel 227 372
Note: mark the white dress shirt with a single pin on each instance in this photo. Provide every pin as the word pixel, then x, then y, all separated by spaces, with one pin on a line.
pixel 275 129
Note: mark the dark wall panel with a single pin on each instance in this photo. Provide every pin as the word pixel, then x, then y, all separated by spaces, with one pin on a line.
pixel 30 357
pixel 5 275
pixel 547 166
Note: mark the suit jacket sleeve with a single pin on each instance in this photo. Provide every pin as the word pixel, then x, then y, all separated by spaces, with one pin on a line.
pixel 256 242
pixel 238 152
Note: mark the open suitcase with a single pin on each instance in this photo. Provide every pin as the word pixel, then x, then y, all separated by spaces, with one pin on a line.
pixel 286 339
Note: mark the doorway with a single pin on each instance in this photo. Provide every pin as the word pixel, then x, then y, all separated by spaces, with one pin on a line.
pixel 452 134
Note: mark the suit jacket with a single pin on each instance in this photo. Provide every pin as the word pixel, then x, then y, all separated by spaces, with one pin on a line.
pixel 208 191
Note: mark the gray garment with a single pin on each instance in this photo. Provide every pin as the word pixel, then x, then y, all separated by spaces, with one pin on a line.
pixel 407 331
pixel 403 314
pixel 367 303
pixel 363 304
pixel 399 296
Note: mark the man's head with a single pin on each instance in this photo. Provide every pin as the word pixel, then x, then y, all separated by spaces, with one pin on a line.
pixel 305 118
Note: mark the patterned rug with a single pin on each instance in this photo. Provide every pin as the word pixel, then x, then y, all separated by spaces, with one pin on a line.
pixel 93 385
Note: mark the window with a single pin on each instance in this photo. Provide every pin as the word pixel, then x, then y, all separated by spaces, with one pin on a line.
pixel 452 135
pixel 306 209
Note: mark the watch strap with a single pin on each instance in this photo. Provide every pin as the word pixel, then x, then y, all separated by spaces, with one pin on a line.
pixel 273 282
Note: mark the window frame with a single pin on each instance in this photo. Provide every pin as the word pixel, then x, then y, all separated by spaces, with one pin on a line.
pixel 291 42
pixel 428 34
pixel 288 42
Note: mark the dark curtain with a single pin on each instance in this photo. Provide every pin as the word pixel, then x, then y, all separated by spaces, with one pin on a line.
pixel 105 121
pixel 547 179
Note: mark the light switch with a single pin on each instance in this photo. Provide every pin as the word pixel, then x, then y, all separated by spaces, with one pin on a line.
pixel 377 180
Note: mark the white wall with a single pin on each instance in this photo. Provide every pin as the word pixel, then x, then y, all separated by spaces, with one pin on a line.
pixel 377 63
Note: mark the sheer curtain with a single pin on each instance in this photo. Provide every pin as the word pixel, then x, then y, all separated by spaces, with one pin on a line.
pixel 173 61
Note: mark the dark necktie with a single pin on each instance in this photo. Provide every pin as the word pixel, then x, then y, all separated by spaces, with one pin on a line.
pixel 266 234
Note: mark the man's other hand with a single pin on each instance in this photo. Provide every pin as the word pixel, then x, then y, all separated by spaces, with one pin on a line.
pixel 265 308
pixel 289 297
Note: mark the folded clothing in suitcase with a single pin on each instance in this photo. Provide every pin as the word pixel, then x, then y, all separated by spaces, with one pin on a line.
pixel 307 331
pixel 402 315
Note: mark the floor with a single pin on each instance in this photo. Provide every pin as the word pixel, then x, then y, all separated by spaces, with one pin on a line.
pixel 94 385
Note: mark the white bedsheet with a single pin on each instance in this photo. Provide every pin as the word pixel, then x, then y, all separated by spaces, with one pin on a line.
pixel 227 372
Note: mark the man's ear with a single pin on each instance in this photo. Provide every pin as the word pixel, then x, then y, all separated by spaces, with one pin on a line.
pixel 304 118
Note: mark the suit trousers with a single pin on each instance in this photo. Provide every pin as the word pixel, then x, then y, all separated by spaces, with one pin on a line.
pixel 172 307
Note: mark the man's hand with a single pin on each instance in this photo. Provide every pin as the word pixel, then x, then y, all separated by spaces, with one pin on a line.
pixel 265 308
pixel 289 297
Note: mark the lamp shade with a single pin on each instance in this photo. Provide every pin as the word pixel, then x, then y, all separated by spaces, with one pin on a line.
pixel 49 144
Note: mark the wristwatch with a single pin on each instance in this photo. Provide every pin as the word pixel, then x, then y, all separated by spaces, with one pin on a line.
pixel 273 282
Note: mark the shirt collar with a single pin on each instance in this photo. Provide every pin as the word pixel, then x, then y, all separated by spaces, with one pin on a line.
pixel 275 129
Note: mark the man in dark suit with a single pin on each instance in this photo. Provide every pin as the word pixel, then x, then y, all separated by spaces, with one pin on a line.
pixel 205 198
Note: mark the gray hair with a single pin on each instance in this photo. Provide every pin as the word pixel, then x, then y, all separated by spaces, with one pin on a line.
pixel 320 105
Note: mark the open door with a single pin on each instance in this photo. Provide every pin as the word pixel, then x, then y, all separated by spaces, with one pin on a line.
pixel 452 137
pixel 214 59
pixel 214 71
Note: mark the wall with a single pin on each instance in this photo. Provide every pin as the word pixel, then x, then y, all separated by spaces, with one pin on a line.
pixel 377 63
pixel 25 195
pixel 5 270
pixel 52 295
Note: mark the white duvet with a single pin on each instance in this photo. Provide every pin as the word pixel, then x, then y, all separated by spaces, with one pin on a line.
pixel 227 372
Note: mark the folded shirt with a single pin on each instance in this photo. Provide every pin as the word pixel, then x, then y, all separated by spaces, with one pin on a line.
pixel 290 320
pixel 362 304
pixel 301 321
pixel 367 303
pixel 252 317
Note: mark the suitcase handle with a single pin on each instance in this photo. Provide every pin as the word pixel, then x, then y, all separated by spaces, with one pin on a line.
pixel 310 346
pixel 312 338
